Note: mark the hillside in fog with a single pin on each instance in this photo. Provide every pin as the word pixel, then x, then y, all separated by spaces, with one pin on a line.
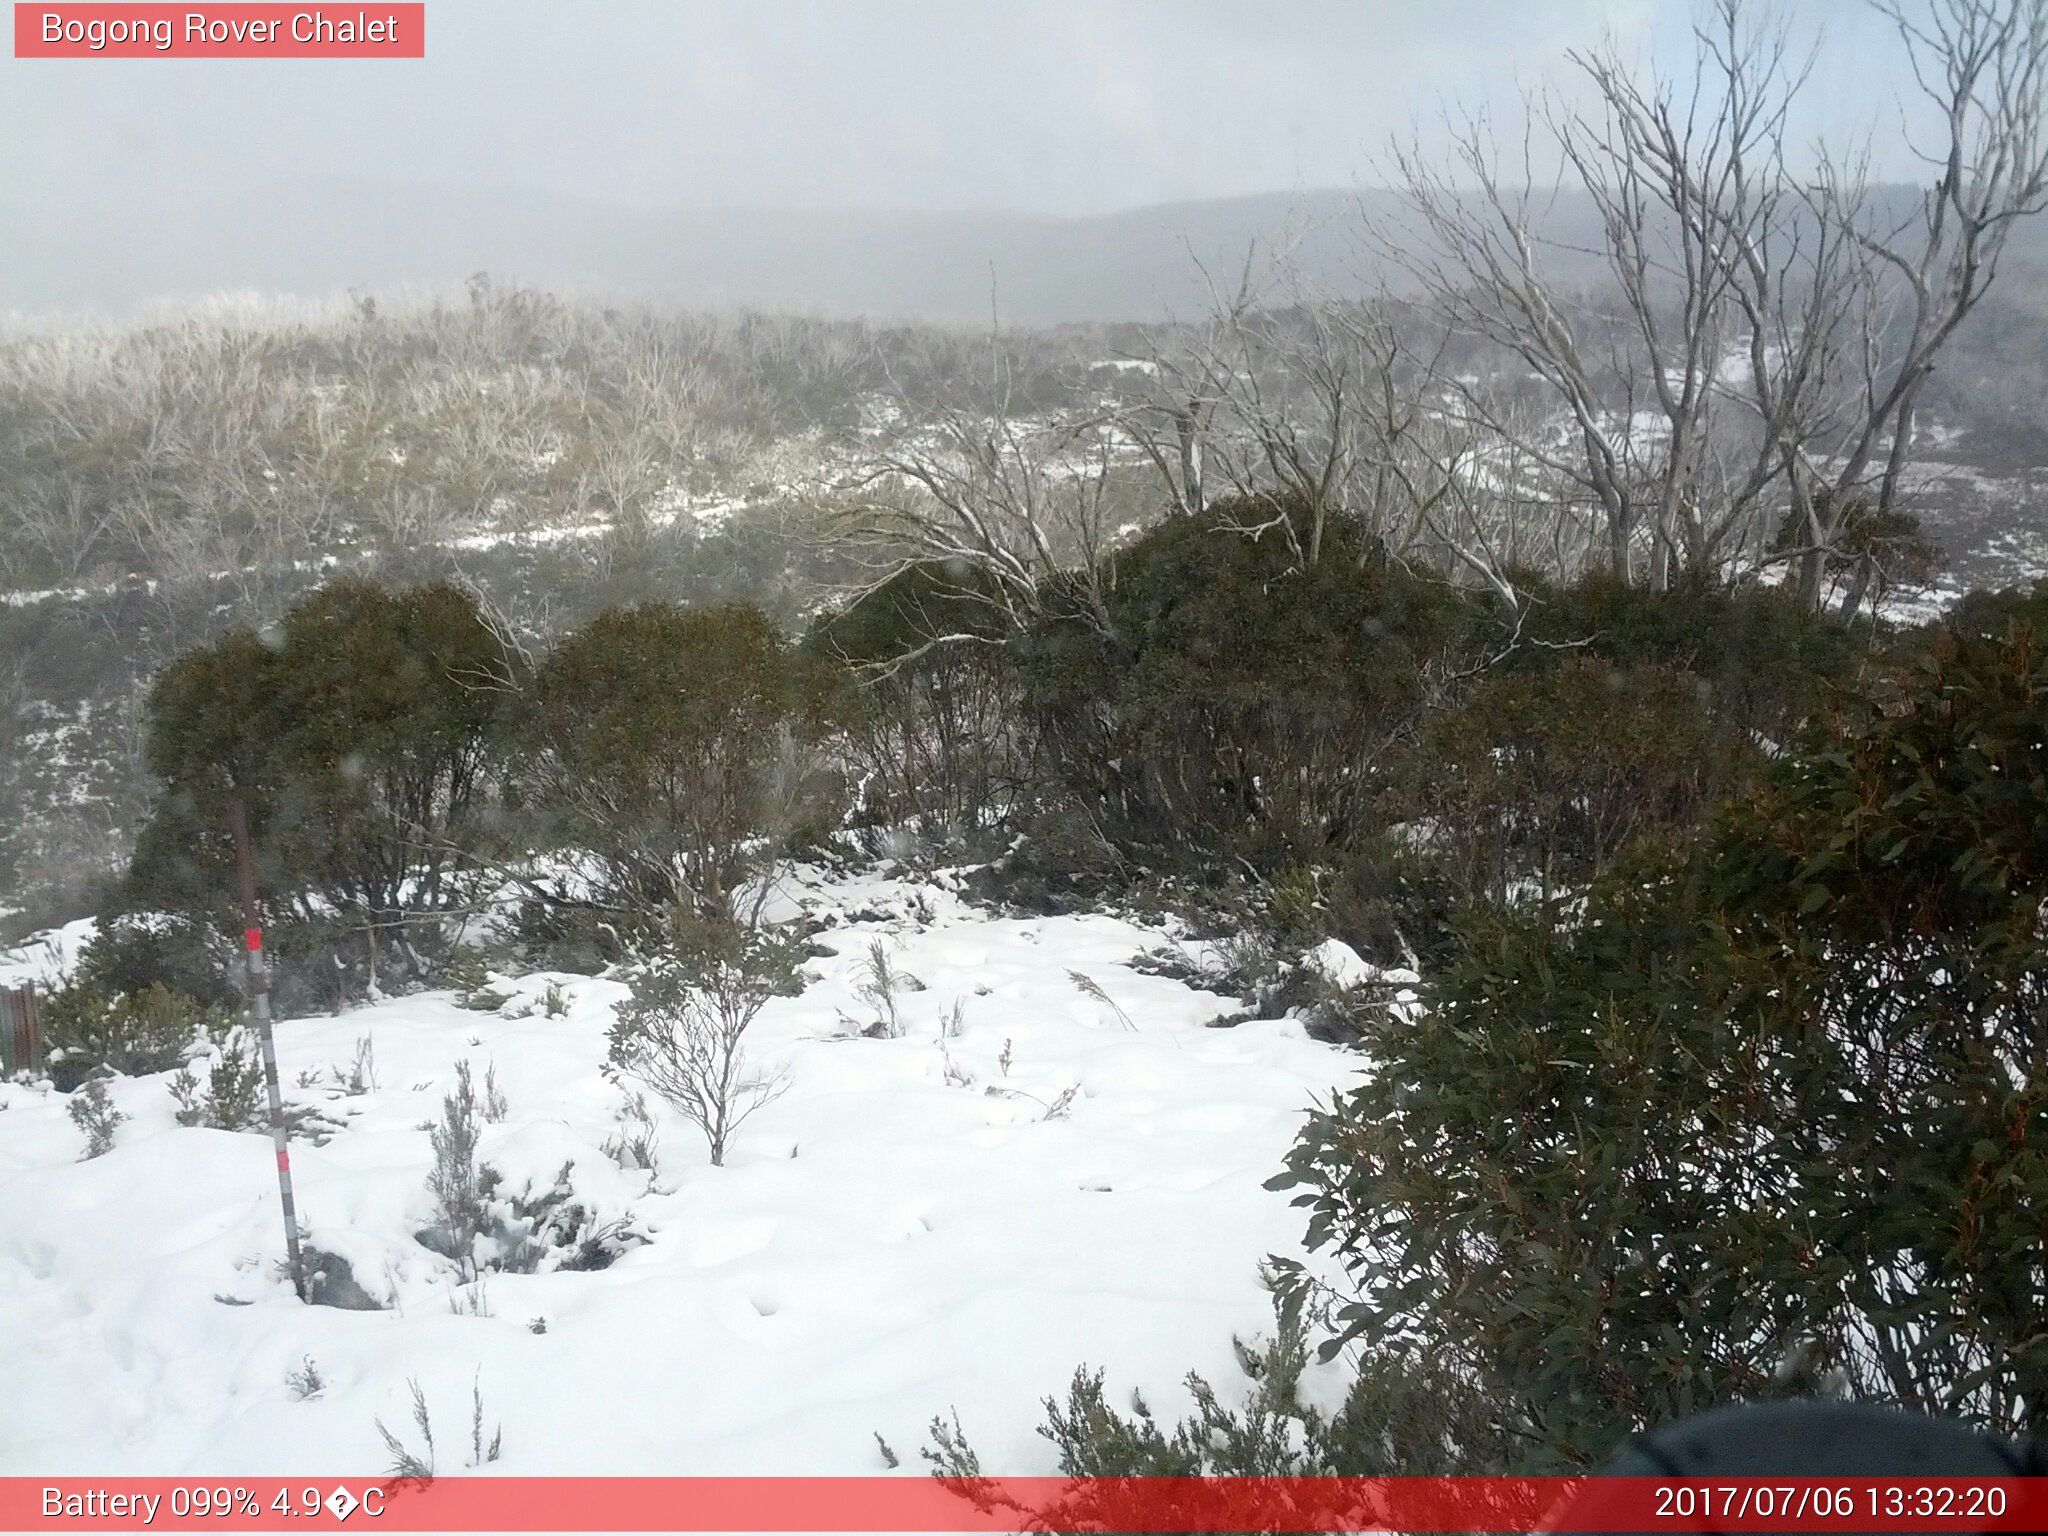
pixel 320 238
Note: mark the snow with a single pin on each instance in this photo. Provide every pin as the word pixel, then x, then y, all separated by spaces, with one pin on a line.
pixel 23 598
pixel 1341 965
pixel 1343 968
pixel 669 506
pixel 47 956
pixel 884 1244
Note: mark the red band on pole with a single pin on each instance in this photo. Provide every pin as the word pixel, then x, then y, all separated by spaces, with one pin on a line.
pixel 253 937
pixel 284 1161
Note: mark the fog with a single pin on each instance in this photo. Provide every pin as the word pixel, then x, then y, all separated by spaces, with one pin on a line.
pixel 1058 158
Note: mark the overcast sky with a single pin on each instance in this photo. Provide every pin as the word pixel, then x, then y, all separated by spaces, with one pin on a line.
pixel 1056 106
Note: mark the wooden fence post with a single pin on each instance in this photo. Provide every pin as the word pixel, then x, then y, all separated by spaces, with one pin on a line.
pixel 21 1040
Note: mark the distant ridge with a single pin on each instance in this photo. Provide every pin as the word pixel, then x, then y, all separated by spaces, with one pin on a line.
pixel 322 238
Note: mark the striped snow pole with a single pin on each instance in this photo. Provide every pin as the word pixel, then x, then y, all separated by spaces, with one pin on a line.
pixel 259 1005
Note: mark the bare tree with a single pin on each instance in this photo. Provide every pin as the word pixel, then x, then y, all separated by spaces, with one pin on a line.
pixel 1678 182
pixel 1008 504
pixel 1981 66
pixel 1745 362
pixel 1284 390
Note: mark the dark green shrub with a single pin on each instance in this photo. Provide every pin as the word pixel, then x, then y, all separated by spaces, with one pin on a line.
pixel 1618 720
pixel 133 1033
pixel 1518 1166
pixel 1766 659
pixel 1987 615
pixel 393 704
pixel 682 1032
pixel 1871 553
pixel 361 737
pixel 1242 702
pixel 936 732
pixel 92 1111
pixel 667 742
pixel 232 1099
pixel 1059 860
pixel 455 1181
pixel 559 935
pixel 1392 904
pixel 131 953
pixel 1541 778
pixel 1402 1415
pixel 1886 900
pixel 1765 1117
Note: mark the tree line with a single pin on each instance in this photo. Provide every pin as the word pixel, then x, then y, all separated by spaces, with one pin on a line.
pixel 1356 747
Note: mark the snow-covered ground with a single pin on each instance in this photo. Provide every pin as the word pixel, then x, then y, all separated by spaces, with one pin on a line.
pixel 889 1240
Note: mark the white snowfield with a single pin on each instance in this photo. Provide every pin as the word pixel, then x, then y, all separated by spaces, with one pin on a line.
pixel 885 1243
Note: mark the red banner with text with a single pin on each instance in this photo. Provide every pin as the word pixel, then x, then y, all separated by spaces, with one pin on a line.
pixel 925 1504
pixel 239 31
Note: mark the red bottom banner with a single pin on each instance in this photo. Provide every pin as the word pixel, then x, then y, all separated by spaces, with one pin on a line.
pixel 1043 1504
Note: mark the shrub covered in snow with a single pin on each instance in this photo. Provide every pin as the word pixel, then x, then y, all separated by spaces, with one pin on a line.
pixel 92 1111
pixel 470 979
pixel 484 1221
pixel 232 1099
pixel 541 1227
pixel 132 1033
pixel 632 1145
